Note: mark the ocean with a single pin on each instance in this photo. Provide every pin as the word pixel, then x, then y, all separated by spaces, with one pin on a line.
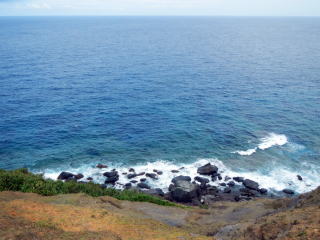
pixel 162 93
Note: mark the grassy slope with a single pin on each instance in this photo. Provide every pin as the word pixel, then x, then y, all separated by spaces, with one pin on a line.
pixel 22 180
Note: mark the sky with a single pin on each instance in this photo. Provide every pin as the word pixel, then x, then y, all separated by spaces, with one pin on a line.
pixel 161 7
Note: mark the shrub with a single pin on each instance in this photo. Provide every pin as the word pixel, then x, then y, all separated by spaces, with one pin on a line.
pixel 24 181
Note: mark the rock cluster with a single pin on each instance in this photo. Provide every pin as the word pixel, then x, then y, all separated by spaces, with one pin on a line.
pixel 183 188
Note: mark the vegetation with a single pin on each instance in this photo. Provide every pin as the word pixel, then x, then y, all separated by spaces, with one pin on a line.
pixel 24 181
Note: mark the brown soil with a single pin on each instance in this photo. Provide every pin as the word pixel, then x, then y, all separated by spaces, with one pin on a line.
pixel 77 216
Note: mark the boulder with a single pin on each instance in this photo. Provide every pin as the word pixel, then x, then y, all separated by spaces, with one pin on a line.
pixel 248 192
pixel 131 175
pixel 174 171
pixel 207 169
pixel 231 184
pixel 184 191
pixel 131 170
pixel 111 180
pixel 223 184
pixel 89 178
pixel 133 181
pixel 201 180
pixel 288 191
pixel 152 175
pixel 127 185
pixel 66 176
pixel 238 179
pixel 181 178
pixel 101 166
pixel 156 191
pixel 212 190
pixel 263 191
pixel 227 178
pixel 227 190
pixel 111 174
pixel 140 174
pixel 143 179
pixel 143 185
pixel 299 177
pixel 79 176
pixel 251 184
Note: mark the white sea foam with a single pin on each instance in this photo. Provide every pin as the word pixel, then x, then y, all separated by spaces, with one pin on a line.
pixel 277 179
pixel 247 152
pixel 272 139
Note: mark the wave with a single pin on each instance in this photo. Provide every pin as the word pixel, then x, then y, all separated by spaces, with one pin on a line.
pixel 276 180
pixel 272 139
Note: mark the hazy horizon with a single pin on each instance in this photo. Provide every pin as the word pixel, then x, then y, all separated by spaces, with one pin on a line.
pixel 232 8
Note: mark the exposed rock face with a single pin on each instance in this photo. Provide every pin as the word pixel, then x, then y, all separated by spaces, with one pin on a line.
pixel 184 191
pixel 207 169
pixel 251 184
pixel 66 176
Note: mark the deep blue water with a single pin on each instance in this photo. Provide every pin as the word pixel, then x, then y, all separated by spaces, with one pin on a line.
pixel 128 91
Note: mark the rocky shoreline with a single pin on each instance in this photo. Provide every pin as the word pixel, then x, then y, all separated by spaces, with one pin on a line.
pixel 184 189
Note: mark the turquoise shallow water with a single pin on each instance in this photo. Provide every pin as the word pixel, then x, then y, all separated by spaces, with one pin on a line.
pixel 164 92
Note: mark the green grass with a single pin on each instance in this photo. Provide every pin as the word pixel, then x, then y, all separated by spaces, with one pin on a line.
pixel 24 181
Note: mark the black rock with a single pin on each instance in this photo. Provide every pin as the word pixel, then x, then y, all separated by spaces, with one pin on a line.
pixel 212 190
pixel 181 178
pixel 79 176
pixel 127 185
pixel 156 191
pixel 66 176
pixel 152 175
pixel 227 190
pixel 288 191
pixel 133 181
pixel 231 184
pixel 223 184
pixel 214 178
pixel 140 174
pixel 219 177
pixel 159 172
pixel 89 178
pixel 227 178
pixel 111 174
pixel 111 180
pixel 207 169
pixel 131 175
pixel 143 179
pixel 248 192
pixel 101 166
pixel 238 179
pixel 202 180
pixel 237 198
pixel 263 191
pixel 124 173
pixel 251 184
pixel 299 177
pixel 174 171
pixel 143 185
pixel 184 191
pixel 131 170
